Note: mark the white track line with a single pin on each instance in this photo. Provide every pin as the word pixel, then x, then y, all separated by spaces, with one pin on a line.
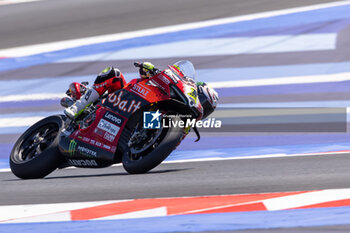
pixel 10 2
pixel 268 156
pixel 305 199
pixel 54 46
pixel 19 121
pixel 340 77
pixel 41 96
pixel 24 211
pixel 5 170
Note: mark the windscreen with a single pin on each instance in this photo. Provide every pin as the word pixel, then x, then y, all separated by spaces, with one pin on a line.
pixel 187 68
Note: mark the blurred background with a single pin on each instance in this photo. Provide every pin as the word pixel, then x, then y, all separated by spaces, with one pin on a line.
pixel 281 69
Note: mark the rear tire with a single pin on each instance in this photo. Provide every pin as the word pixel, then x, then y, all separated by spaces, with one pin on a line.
pixel 157 153
pixel 36 153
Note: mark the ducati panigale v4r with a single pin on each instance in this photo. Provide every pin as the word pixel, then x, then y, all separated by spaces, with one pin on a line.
pixel 112 129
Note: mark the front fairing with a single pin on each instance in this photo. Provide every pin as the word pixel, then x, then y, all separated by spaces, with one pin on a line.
pixel 189 90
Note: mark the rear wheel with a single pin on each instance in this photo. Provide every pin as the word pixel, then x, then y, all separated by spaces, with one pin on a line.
pixel 36 153
pixel 147 148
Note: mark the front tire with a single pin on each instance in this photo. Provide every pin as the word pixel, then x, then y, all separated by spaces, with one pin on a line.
pixel 158 149
pixel 36 153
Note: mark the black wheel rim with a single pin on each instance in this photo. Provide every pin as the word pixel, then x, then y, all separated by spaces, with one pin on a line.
pixel 140 148
pixel 36 142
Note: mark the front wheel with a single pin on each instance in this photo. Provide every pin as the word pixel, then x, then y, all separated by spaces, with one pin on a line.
pixel 36 153
pixel 147 148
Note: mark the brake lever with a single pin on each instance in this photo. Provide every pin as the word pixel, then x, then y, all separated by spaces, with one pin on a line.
pixel 138 64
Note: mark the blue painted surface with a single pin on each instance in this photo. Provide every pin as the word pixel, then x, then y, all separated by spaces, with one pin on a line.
pixel 29 103
pixel 4 163
pixel 258 150
pixel 306 88
pixel 5 150
pixel 306 28
pixel 292 104
pixel 230 147
pixel 245 142
pixel 241 141
pixel 196 222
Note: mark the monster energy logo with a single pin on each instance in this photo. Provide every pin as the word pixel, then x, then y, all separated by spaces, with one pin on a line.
pixel 72 146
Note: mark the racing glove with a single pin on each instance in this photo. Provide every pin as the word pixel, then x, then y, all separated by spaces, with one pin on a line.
pixel 147 70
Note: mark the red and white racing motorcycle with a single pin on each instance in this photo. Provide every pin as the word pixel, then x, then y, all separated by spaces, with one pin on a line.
pixel 112 129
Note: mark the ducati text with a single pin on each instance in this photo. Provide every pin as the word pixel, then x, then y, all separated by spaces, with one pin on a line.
pixel 83 162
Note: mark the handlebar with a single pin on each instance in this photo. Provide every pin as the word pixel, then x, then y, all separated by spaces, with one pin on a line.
pixel 140 65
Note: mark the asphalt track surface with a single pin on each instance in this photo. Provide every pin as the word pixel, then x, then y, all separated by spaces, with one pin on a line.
pixel 52 20
pixel 56 20
pixel 181 179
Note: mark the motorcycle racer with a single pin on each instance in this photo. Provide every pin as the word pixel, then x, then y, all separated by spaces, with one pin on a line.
pixel 111 79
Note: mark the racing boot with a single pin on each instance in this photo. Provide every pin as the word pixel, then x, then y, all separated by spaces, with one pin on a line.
pixel 78 107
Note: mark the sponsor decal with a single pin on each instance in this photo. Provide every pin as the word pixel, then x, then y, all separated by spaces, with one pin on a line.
pixel 106 147
pixel 151 120
pixel 87 95
pixel 100 85
pixel 113 118
pixel 72 146
pixel 85 139
pixel 108 127
pixel 83 162
pixel 172 75
pixel 140 90
pixel 164 79
pixel 159 85
pixel 193 94
pixel 124 105
pixel 109 137
pixel 99 131
pixel 87 152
